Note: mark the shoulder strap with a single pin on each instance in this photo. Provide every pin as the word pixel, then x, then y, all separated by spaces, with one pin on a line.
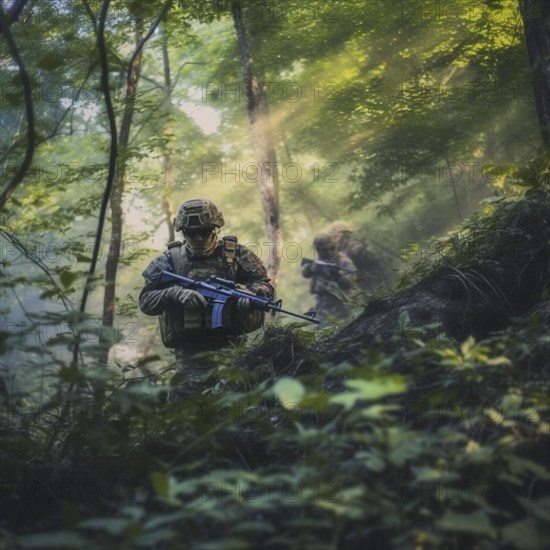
pixel 229 252
pixel 175 256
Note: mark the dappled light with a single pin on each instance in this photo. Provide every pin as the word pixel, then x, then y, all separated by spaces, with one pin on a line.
pixel 275 274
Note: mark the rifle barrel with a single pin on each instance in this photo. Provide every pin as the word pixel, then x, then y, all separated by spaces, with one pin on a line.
pixel 299 315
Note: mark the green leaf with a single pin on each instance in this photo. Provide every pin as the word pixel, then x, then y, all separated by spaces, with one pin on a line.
pixel 67 278
pixel 289 392
pixel 522 534
pixel 372 461
pixel 370 390
pixel 69 374
pixel 404 318
pixel 253 527
pixel 519 465
pixel 113 526
pixel 379 411
pixel 475 522
pixel 155 522
pixel 225 544
pixel 350 511
pixel 161 484
pixel 426 474
pixel 539 508
pixel 50 61
pixel 496 361
pixel 53 541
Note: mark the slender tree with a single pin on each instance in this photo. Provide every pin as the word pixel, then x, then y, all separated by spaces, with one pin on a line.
pixel 6 19
pixel 262 140
pixel 117 221
pixel 117 218
pixel 167 157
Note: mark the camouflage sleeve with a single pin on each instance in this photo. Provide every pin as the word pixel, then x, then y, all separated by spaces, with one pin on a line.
pixel 359 255
pixel 252 273
pixel 346 278
pixel 152 300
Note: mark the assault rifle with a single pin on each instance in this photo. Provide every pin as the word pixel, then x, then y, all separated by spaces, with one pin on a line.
pixel 220 291
pixel 307 261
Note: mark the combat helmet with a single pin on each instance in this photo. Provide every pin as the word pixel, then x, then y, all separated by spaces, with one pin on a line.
pixel 198 213
pixel 338 227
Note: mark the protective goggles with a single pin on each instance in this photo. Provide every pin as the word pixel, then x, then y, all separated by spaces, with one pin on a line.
pixel 198 232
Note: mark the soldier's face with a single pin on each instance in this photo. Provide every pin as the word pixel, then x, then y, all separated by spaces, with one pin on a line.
pixel 201 240
pixel 326 253
pixel 199 235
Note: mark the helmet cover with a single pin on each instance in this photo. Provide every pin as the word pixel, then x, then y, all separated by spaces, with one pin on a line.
pixel 198 213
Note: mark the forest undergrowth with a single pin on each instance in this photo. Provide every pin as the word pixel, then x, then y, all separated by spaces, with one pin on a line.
pixel 425 423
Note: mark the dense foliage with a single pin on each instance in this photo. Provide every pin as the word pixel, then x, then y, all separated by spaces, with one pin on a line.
pixel 415 122
pixel 435 444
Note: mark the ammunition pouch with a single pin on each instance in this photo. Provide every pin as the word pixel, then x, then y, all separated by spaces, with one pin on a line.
pixel 172 325
pixel 178 324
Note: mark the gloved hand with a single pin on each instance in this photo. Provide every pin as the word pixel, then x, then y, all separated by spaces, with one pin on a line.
pixel 187 297
pixel 257 290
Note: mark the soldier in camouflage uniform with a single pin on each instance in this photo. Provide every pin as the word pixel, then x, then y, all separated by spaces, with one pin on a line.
pixel 185 315
pixel 329 284
pixel 370 272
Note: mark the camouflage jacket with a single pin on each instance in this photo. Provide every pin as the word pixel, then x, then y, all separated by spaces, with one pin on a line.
pixel 356 251
pixel 247 270
pixel 369 268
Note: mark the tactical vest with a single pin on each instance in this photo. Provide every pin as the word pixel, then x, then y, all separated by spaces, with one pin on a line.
pixel 178 324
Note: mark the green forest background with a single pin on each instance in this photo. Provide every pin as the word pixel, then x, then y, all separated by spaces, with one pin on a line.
pixel 413 121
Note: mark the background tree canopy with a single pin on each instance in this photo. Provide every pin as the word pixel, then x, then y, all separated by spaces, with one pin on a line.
pixel 419 123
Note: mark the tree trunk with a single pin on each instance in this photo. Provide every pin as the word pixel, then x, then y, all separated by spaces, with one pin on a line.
pixel 536 20
pixel 167 157
pixel 117 219
pixel 264 150
pixel 17 178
